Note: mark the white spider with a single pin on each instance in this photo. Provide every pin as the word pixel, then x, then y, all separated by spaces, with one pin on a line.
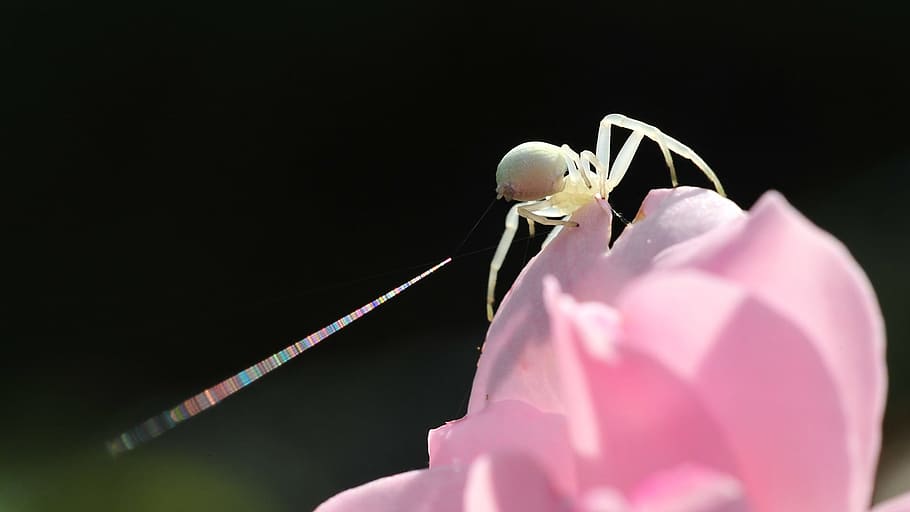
pixel 556 181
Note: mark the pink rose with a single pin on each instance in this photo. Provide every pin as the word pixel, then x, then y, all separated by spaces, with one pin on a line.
pixel 712 360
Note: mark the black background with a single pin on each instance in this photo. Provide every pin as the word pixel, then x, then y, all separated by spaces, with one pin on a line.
pixel 188 188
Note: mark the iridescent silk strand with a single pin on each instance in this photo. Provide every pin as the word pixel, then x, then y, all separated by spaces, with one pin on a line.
pixel 157 425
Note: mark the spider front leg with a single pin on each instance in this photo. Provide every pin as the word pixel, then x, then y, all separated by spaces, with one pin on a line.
pixel 623 160
pixel 665 142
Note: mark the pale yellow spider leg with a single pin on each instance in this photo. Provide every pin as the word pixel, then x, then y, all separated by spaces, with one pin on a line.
pixel 588 157
pixel 623 160
pixel 529 214
pixel 666 143
pixel 500 255
pixel 602 147
pixel 615 172
pixel 530 226
pixel 650 131
pixel 573 164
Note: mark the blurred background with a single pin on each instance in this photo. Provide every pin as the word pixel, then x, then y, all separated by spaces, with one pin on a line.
pixel 190 187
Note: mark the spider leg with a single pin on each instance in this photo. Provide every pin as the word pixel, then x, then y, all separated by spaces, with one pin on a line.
pixel 646 129
pixel 665 142
pixel 528 213
pixel 602 147
pixel 623 160
pixel 587 158
pixel 501 250
pixel 574 165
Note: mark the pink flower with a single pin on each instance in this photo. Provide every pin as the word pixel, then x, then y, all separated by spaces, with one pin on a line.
pixel 712 360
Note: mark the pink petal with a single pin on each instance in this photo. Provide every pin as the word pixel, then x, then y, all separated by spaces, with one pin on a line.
pixel 507 483
pixel 898 504
pixel 685 488
pixel 508 426
pixel 425 490
pixel 629 417
pixel 602 499
pixel 759 376
pixel 517 361
pixel 809 277
pixel 689 488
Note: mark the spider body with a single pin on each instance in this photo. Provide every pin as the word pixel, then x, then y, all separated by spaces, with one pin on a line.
pixel 553 182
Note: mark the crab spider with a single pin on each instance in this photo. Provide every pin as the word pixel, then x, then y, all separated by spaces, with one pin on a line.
pixel 553 182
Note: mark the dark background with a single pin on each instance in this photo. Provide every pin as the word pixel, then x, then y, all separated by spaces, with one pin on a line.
pixel 188 188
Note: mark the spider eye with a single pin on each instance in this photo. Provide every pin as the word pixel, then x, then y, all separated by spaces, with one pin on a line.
pixel 565 174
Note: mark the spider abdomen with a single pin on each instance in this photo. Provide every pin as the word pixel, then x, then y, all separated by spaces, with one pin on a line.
pixel 531 171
